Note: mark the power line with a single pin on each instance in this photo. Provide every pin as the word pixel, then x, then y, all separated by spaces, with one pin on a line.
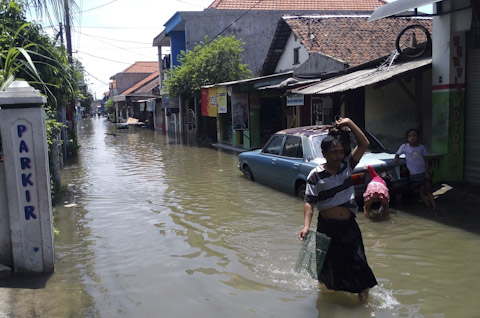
pixel 111 27
pixel 226 28
pixel 94 8
pixel 119 47
pixel 95 77
pixel 102 58
pixel 195 5
pixel 100 37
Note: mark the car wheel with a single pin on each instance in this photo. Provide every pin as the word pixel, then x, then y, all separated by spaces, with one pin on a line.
pixel 301 191
pixel 248 173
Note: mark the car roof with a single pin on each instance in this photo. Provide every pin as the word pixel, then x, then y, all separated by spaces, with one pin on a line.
pixel 306 131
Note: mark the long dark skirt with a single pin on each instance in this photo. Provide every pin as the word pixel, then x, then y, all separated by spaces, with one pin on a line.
pixel 345 267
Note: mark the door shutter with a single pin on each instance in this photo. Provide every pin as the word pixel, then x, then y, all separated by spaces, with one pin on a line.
pixel 472 117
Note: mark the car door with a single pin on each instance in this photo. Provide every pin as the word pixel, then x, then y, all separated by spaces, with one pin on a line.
pixel 264 168
pixel 287 166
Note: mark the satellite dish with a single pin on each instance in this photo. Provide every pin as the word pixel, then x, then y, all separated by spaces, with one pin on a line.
pixel 413 41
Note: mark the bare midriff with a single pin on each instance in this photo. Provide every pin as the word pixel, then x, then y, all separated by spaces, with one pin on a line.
pixel 337 212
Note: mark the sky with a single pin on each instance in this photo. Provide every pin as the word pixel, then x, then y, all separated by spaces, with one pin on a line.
pixel 110 35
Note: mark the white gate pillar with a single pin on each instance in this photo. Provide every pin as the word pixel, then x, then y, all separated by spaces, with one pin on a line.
pixel 27 176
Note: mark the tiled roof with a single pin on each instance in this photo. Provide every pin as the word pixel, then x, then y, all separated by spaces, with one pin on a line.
pixel 147 80
pixel 351 38
pixel 142 67
pixel 343 5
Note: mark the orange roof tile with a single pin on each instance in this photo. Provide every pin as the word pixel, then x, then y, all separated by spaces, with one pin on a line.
pixel 351 38
pixel 342 5
pixel 142 67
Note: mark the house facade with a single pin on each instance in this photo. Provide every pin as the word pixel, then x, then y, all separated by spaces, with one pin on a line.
pixel 254 24
pixel 333 49
pixel 135 92
pixel 455 85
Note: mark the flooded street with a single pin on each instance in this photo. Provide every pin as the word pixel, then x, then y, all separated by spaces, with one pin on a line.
pixel 161 229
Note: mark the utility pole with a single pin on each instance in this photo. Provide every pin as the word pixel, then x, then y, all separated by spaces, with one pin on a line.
pixel 63 115
pixel 68 33
pixel 71 113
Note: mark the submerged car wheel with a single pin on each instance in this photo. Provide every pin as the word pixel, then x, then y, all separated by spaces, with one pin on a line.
pixel 248 173
pixel 301 191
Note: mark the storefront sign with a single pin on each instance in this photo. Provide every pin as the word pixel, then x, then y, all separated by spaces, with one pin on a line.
pixel 295 100
pixel 170 103
pixel 26 173
pixel 222 100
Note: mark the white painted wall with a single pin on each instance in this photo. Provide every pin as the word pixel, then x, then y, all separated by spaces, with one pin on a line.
pixel 285 63
pixel 445 27
pixel 389 113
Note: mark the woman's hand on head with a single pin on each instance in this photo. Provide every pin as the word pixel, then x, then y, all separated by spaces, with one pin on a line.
pixel 342 122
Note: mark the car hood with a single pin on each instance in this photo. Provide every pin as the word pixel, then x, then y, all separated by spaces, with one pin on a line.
pixel 376 159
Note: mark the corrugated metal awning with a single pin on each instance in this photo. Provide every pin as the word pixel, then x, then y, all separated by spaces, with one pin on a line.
pixel 362 78
pixel 398 6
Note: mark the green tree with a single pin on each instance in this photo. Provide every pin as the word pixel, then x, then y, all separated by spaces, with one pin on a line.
pixel 109 106
pixel 28 53
pixel 208 63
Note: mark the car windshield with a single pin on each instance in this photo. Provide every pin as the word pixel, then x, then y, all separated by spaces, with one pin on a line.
pixel 374 147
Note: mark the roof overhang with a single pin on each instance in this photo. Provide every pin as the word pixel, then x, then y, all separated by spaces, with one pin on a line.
pixel 133 97
pixel 257 81
pixel 363 78
pixel 162 39
pixel 398 6
pixel 175 22
pixel 119 98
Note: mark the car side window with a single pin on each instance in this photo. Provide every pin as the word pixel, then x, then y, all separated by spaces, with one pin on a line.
pixel 274 146
pixel 293 147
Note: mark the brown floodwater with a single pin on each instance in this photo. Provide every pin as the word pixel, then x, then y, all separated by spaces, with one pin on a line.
pixel 161 229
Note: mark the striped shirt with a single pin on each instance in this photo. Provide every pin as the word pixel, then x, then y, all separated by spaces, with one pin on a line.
pixel 328 191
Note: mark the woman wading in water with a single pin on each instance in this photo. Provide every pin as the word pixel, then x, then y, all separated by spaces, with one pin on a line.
pixel 330 188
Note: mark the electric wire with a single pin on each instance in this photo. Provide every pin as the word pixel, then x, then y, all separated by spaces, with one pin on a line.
pixel 102 58
pixel 236 20
pixel 95 77
pixel 98 7
pixel 101 37
pixel 119 47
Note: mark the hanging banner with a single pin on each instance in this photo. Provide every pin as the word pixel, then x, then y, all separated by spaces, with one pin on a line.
pixel 240 111
pixel 204 101
pixel 222 100
pixel 209 102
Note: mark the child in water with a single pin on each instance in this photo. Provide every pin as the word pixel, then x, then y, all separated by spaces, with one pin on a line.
pixel 376 191
pixel 418 167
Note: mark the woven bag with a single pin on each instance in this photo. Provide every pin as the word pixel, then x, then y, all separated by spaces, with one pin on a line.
pixel 312 254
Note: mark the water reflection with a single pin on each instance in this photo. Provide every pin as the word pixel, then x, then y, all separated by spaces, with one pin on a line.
pixel 163 229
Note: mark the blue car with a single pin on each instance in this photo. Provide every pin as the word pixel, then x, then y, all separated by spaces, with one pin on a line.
pixel 289 155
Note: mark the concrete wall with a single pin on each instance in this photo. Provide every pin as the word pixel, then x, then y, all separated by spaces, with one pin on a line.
pixel 28 194
pixel 285 63
pixel 127 80
pixel 178 44
pixel 256 29
pixel 448 103
pixel 318 63
pixel 5 241
pixel 389 112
